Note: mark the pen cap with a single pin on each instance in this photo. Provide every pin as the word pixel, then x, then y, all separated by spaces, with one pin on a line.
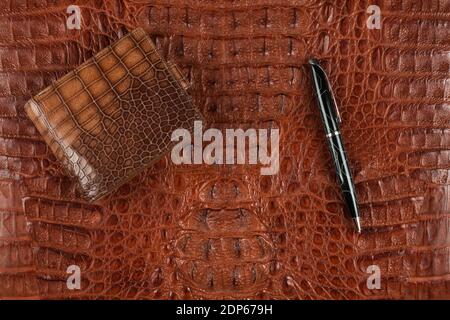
pixel 325 97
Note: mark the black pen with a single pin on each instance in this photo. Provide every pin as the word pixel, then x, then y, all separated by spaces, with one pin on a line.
pixel 331 120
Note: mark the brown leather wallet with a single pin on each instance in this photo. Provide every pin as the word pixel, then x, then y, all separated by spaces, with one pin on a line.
pixel 113 116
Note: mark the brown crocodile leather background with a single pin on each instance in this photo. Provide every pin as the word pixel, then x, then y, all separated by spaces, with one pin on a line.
pixel 199 231
pixel 114 115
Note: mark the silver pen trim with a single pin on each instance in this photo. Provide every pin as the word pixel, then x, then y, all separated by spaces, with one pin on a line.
pixel 333 134
pixel 357 224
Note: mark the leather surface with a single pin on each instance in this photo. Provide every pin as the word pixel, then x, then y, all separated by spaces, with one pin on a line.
pixel 114 115
pixel 225 231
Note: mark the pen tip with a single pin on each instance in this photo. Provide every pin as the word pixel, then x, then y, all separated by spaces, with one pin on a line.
pixel 357 224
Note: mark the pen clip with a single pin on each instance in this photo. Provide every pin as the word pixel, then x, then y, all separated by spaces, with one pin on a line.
pixel 335 107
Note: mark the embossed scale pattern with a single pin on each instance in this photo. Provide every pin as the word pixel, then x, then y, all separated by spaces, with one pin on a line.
pixel 225 231
pixel 114 115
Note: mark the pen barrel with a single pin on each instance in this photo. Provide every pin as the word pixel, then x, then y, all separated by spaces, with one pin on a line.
pixel 343 172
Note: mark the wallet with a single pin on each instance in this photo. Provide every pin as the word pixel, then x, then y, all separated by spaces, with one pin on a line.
pixel 114 115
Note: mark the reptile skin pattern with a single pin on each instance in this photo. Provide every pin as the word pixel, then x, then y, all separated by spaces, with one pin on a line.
pixel 114 115
pixel 225 231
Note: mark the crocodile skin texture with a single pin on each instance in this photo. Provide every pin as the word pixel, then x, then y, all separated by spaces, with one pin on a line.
pixel 200 231
pixel 114 115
